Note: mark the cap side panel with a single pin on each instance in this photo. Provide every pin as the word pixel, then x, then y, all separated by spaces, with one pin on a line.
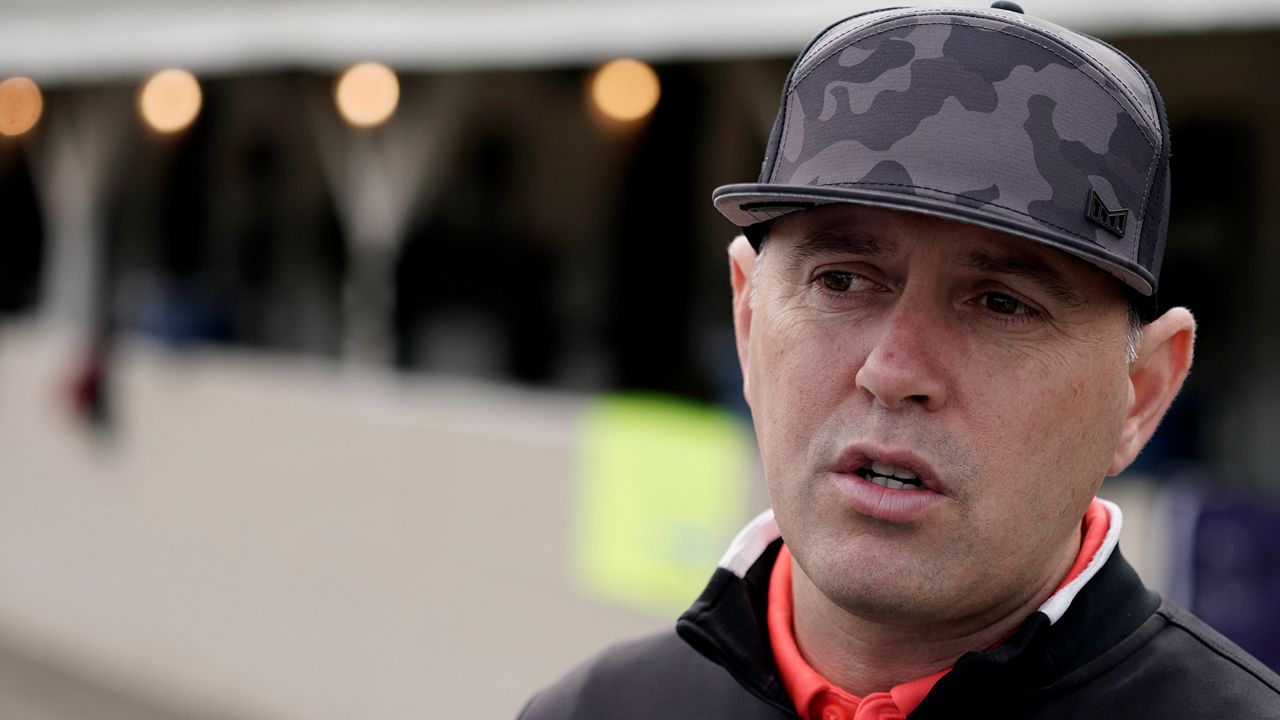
pixel 1145 216
pixel 1144 108
pixel 1151 249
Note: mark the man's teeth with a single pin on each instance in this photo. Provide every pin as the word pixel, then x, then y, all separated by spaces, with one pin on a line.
pixel 887 482
pixel 891 471
pixel 888 476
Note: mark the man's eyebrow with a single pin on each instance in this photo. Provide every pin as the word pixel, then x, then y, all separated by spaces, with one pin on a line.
pixel 837 242
pixel 1029 268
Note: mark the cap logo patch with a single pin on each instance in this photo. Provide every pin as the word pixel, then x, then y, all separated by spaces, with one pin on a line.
pixel 1113 221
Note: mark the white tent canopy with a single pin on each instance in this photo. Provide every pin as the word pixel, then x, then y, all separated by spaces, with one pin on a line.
pixel 57 41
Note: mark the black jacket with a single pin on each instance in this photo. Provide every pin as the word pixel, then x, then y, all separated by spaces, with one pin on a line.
pixel 1118 652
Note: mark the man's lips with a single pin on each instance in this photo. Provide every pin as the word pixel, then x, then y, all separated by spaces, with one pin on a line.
pixel 891 485
pixel 903 465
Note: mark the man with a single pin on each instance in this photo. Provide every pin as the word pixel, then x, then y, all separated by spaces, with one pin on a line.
pixel 945 314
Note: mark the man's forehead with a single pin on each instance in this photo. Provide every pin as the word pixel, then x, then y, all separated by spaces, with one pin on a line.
pixel 883 230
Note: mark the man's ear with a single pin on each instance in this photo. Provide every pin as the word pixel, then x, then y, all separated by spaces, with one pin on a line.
pixel 742 268
pixel 1155 377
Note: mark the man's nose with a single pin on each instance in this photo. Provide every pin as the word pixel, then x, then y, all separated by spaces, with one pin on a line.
pixel 906 365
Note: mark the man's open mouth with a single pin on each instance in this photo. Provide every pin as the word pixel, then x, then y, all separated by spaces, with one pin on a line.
pixel 888 476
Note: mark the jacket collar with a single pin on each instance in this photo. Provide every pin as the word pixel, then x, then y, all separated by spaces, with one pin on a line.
pixel 1106 603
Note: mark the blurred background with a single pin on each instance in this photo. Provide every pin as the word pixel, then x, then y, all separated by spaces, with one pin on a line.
pixel 373 360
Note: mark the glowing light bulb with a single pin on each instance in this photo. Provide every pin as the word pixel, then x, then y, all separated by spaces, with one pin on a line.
pixel 20 106
pixel 367 94
pixel 170 100
pixel 625 90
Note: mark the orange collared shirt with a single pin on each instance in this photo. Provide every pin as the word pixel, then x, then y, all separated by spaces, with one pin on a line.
pixel 816 698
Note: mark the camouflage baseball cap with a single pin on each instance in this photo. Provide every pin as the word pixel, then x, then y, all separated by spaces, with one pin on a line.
pixel 985 116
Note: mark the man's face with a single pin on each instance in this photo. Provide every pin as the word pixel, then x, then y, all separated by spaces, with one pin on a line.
pixel 987 373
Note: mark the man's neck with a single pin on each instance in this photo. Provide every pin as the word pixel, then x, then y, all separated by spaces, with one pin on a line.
pixel 863 655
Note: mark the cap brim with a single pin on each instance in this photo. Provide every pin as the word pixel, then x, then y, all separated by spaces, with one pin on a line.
pixel 747 204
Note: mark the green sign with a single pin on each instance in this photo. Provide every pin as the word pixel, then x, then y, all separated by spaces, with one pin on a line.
pixel 662 489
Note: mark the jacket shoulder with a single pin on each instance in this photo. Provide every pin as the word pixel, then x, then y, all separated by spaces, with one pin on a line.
pixel 1173 666
pixel 650 678
pixel 1191 642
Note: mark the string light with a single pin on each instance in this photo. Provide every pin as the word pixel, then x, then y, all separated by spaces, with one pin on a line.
pixel 20 106
pixel 367 94
pixel 625 90
pixel 170 100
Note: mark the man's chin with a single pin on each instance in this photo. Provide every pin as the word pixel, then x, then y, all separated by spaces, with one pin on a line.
pixel 905 606
pixel 878 579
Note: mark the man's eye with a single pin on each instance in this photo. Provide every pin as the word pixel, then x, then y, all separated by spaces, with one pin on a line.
pixel 838 281
pixel 1004 304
